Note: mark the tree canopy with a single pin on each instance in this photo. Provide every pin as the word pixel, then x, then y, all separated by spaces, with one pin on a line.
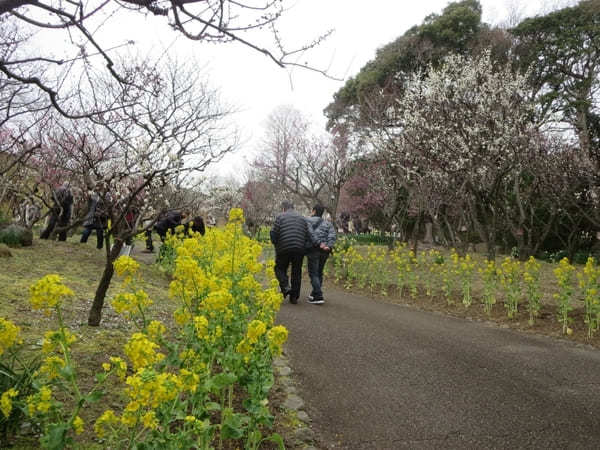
pixel 456 30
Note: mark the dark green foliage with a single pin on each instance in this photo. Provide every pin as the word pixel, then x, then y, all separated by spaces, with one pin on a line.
pixel 166 257
pixel 16 236
pixel 4 219
pixel 562 52
pixel 16 374
pixel 457 30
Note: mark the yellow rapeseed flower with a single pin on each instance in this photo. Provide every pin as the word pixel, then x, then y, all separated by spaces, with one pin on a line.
pixel 48 292
pixel 256 329
pixel 108 418
pixel 6 401
pixel 236 215
pixel 9 335
pixel 126 266
pixel 155 330
pixel 277 337
pixel 53 339
pixel 150 421
pixel 52 366
pixel 131 302
pixel 78 425
pixel 201 326
pixel 142 351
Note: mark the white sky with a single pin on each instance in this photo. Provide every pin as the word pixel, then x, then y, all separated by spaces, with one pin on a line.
pixel 255 85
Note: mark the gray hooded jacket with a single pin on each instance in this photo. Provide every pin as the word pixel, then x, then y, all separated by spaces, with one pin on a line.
pixel 322 230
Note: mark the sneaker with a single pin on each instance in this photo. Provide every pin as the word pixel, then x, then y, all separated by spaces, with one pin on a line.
pixel 315 301
pixel 311 297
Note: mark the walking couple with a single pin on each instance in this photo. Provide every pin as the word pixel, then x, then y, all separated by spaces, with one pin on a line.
pixel 294 236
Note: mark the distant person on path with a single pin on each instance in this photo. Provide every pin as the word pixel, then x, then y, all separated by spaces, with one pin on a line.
pixel 60 213
pixel 149 244
pixel 324 235
pixel 95 219
pixel 289 235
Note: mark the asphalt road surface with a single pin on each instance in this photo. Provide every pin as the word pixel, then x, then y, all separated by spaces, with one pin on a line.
pixel 381 376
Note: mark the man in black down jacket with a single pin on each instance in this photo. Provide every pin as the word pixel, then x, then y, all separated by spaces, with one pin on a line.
pixel 289 234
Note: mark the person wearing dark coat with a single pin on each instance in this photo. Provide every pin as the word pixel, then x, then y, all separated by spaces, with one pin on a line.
pixel 289 235
pixel 196 225
pixel 95 219
pixel 317 255
pixel 60 213
pixel 170 221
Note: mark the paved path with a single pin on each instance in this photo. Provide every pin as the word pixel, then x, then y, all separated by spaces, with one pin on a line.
pixel 382 376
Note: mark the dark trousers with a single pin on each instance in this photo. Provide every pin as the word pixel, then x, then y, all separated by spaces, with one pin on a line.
pixel 149 244
pixel 99 235
pixel 54 220
pixel 282 263
pixel 316 263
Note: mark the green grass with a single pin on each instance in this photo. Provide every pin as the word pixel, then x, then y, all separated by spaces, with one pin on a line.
pixel 81 267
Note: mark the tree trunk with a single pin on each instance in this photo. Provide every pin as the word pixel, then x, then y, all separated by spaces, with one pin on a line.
pixel 428 233
pixel 95 315
pixel 415 234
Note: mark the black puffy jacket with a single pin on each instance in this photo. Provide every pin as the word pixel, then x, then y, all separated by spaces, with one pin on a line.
pixel 290 232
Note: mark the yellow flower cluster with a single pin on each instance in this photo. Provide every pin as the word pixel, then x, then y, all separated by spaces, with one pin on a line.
pixel 155 330
pixel 6 401
pixel 48 292
pixel 564 273
pixel 119 366
pixel 141 351
pixel 149 389
pixel 510 271
pixel 131 303
pixel 78 425
pixel 52 341
pixel 256 329
pixel 201 326
pixel 9 335
pixel 40 402
pixel 218 300
pixel 126 266
pixel 531 271
pixel 277 337
pixel 107 419
pixel 236 215
pixel 51 367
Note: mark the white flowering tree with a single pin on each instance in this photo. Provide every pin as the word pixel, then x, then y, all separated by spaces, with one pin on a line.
pixel 468 124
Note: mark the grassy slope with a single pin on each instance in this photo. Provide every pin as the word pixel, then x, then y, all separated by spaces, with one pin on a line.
pixel 81 266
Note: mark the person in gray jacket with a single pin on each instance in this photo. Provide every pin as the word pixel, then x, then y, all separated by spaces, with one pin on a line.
pixel 289 235
pixel 324 239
